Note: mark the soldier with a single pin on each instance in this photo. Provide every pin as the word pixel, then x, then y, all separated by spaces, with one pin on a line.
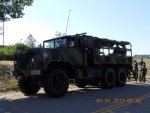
pixel 141 63
pixel 135 70
pixel 144 72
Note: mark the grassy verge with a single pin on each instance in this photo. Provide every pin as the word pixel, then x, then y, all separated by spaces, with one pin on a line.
pixel 7 82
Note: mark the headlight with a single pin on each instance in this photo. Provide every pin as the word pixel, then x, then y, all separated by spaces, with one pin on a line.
pixel 33 60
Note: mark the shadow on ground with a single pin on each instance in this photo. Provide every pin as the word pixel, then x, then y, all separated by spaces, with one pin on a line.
pixel 77 101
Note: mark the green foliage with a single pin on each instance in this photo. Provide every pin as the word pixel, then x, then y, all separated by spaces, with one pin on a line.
pixel 7 53
pixel 59 34
pixel 31 41
pixel 13 8
pixel 21 47
pixel 13 84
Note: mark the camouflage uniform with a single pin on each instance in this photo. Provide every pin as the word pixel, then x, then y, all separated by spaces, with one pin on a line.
pixel 141 63
pixel 142 70
pixel 135 71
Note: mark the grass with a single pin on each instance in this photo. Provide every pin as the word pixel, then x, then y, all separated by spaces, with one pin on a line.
pixel 7 62
pixel 13 84
pixel 148 66
pixel 6 67
pixel 7 82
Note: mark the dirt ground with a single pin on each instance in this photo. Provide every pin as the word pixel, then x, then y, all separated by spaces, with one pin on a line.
pixel 15 94
pixel 80 100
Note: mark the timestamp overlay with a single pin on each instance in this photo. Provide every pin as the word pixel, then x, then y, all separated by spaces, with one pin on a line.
pixel 135 100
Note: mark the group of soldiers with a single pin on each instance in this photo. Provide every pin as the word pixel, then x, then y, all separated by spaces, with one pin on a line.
pixel 139 70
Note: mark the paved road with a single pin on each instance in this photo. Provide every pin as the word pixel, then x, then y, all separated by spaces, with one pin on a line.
pixel 133 98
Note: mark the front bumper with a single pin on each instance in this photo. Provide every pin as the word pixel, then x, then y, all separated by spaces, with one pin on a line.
pixel 27 72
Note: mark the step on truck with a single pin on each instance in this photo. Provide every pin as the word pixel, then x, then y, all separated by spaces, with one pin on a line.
pixel 87 60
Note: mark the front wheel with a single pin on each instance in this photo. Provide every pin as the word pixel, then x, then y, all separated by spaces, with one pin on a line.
pixel 56 84
pixel 28 87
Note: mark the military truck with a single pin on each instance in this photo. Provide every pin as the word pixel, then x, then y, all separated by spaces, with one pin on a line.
pixel 87 60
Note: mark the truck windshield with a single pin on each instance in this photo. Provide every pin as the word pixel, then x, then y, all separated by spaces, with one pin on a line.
pixel 60 43
pixel 49 44
pixel 57 43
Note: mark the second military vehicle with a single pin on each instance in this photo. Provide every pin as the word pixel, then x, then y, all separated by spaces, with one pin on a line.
pixel 87 60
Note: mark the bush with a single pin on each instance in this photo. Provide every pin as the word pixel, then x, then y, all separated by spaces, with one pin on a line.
pixel 5 70
pixel 7 84
pixel 13 84
pixel 7 53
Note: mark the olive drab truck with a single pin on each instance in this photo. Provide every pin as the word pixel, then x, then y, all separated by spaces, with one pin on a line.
pixel 87 60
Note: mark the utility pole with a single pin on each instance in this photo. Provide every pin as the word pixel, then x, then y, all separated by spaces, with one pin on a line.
pixel 3 23
pixel 3 33
pixel 5 4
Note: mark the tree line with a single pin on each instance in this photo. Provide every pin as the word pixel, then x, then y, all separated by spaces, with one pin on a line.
pixel 8 52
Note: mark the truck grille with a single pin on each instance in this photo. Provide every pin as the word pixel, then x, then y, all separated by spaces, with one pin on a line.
pixel 23 61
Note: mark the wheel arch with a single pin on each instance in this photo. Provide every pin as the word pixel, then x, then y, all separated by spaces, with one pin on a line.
pixel 66 66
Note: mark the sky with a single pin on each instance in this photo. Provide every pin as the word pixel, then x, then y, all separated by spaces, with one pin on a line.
pixel 123 20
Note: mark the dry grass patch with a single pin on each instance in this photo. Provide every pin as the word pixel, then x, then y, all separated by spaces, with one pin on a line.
pixel 7 62
pixel 6 81
pixel 7 84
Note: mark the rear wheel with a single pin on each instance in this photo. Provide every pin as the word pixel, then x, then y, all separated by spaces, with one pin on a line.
pixel 57 83
pixel 121 77
pixel 108 79
pixel 28 87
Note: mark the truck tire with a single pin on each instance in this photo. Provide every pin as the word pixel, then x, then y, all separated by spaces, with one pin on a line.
pixel 28 87
pixel 121 77
pixel 108 79
pixel 80 83
pixel 56 84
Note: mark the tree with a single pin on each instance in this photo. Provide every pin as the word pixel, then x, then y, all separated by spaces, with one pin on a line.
pixel 7 53
pixel 59 34
pixel 31 41
pixel 10 9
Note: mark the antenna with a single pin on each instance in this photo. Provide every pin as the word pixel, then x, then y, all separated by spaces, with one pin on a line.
pixel 68 21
